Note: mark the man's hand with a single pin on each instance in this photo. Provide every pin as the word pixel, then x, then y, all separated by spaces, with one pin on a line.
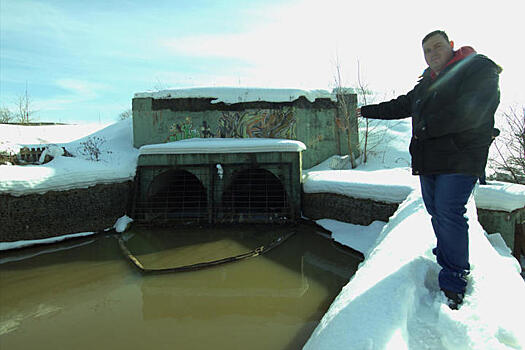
pixel 358 112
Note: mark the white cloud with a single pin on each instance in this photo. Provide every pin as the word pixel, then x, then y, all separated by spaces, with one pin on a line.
pixel 81 88
pixel 298 43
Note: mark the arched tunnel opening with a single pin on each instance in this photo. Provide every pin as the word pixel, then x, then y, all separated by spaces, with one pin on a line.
pixel 177 194
pixel 255 194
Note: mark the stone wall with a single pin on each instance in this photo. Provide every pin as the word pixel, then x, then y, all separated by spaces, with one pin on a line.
pixel 55 213
pixel 344 208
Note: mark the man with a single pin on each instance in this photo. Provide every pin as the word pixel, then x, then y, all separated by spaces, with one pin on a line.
pixel 452 109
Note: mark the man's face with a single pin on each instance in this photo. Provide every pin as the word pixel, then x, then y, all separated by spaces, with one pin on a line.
pixel 437 52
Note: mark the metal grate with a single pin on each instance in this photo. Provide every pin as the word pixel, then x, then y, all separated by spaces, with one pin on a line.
pixel 173 195
pixel 198 193
pixel 254 195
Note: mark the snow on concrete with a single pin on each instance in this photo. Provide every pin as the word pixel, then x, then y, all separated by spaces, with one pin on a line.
pixel 117 163
pixel 385 185
pixel 223 145
pixel 360 238
pixel 231 95
pixel 503 196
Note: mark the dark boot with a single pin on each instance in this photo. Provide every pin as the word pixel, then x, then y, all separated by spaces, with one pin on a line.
pixel 454 299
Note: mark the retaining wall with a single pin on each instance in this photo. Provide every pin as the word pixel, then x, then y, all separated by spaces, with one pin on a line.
pixel 56 213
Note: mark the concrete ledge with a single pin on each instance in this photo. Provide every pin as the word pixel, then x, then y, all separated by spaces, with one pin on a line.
pixel 347 209
pixel 504 223
pixel 57 213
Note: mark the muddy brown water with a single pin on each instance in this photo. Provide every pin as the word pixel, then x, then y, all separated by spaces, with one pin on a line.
pixel 84 294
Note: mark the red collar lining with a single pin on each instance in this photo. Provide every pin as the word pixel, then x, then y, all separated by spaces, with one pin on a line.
pixel 459 55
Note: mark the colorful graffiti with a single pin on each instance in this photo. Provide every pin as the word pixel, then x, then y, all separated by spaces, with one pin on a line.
pixel 264 123
pixel 272 124
pixel 182 131
pixel 279 123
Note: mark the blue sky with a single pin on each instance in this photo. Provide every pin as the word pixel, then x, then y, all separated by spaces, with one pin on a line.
pixel 82 61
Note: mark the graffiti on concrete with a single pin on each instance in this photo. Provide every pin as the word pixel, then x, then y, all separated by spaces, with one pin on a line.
pixel 264 123
pixel 279 123
pixel 182 131
pixel 232 124
pixel 272 124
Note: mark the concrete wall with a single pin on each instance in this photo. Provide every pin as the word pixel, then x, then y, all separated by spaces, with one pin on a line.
pixel 313 123
pixel 357 211
pixel 502 222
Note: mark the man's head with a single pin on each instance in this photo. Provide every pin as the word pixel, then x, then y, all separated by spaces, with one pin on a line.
pixel 438 50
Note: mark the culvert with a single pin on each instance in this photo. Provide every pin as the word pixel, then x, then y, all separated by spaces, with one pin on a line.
pixel 255 194
pixel 219 181
pixel 176 194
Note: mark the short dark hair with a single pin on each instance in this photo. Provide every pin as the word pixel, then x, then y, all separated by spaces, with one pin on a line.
pixel 435 32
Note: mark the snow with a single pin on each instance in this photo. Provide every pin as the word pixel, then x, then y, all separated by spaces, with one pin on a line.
pixel 385 185
pixel 231 95
pixel 34 135
pixel 500 196
pixel 393 301
pixel 122 223
pixel 360 238
pixel 223 145
pixel 117 163
pixel 31 242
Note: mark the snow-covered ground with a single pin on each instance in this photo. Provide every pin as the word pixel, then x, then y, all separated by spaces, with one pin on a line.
pixel 117 164
pixel 393 301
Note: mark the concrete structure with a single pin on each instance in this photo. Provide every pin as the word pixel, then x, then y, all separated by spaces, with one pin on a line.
pixel 219 181
pixel 508 224
pixel 321 125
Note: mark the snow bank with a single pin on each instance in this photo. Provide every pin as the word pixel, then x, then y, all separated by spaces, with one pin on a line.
pixel 44 134
pixel 224 145
pixel 231 95
pixel 394 301
pixel 117 163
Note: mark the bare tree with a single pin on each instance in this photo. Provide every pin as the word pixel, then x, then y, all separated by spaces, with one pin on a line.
pixel 367 123
pixel 24 112
pixel 6 116
pixel 348 120
pixel 510 145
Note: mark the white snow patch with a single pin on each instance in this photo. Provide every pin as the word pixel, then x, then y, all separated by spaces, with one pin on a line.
pixel 223 145
pixel 385 185
pixel 497 195
pixel 52 151
pixel 231 95
pixel 358 237
pixel 27 243
pixel 44 134
pixel 117 164
pixel 122 223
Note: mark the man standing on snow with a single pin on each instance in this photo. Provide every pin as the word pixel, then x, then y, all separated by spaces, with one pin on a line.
pixel 452 109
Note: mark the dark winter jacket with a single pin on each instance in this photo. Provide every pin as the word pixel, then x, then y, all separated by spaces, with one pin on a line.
pixel 452 115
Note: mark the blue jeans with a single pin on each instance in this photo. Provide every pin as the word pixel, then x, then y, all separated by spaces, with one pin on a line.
pixel 445 197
